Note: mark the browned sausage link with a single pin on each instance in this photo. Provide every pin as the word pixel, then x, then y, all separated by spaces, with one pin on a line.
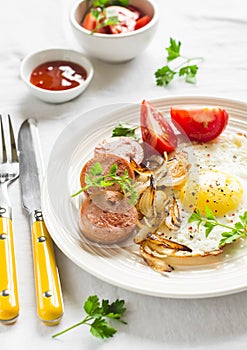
pixel 122 146
pixel 106 161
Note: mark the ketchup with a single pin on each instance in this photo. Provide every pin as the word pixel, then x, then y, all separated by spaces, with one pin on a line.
pixel 58 75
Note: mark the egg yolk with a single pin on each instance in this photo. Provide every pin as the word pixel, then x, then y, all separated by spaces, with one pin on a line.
pixel 219 191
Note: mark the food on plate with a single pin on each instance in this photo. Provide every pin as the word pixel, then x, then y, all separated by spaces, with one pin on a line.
pixel 216 189
pixel 187 201
pixel 217 185
pixel 155 129
pixel 200 124
pixel 58 75
pixel 124 147
pixel 109 222
pixel 105 162
pixel 106 18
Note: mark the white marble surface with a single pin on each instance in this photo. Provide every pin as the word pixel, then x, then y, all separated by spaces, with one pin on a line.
pixel 213 29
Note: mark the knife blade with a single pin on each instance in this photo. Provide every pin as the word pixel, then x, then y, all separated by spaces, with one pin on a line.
pixel 47 283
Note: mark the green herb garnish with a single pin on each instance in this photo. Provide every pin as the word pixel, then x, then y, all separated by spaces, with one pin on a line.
pixel 95 178
pixel 97 314
pixel 166 74
pixel 124 129
pixel 103 16
pixel 239 230
pixel 105 3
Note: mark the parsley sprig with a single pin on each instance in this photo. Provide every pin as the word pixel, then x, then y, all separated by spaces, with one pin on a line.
pixel 97 314
pixel 239 230
pixel 125 129
pixel 166 74
pixel 96 178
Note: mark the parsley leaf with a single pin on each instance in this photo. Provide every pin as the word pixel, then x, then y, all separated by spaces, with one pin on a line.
pixel 125 129
pixel 96 169
pixel 105 3
pixel 98 312
pixel 101 329
pixel 239 230
pixel 189 72
pixel 166 74
pixel 173 50
pixel 92 306
pixel 115 310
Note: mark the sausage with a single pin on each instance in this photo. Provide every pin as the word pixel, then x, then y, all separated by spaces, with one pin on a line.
pixel 106 161
pixel 107 226
pixel 124 147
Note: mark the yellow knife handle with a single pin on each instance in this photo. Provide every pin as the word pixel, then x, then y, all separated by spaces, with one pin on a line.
pixel 9 300
pixel 47 282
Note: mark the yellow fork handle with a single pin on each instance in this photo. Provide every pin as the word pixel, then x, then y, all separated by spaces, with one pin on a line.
pixel 47 282
pixel 9 300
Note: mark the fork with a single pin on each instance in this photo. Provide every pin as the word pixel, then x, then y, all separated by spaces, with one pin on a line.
pixel 9 172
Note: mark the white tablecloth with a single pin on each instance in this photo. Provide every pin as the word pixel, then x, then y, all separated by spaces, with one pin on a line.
pixel 215 30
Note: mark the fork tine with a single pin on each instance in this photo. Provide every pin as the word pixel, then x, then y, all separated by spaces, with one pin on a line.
pixel 14 154
pixel 4 159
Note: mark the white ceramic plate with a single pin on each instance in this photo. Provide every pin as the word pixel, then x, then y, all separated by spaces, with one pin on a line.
pixel 122 266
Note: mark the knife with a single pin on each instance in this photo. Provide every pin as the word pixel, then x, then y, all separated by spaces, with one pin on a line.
pixel 47 283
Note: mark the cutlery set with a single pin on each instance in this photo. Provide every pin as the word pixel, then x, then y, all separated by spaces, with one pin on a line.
pixel 26 162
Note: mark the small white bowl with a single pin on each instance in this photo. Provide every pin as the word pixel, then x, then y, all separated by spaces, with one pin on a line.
pixel 115 47
pixel 33 60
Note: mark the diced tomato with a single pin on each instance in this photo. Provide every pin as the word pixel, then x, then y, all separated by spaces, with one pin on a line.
pixel 155 129
pixel 141 22
pixel 127 19
pixel 89 22
pixel 200 124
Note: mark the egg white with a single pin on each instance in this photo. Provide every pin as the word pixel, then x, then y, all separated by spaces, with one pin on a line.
pixel 227 154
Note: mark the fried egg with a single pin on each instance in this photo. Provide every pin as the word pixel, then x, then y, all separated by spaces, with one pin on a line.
pixel 218 180
pixel 215 189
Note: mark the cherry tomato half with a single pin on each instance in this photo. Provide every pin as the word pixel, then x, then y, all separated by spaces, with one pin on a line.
pixel 155 129
pixel 200 124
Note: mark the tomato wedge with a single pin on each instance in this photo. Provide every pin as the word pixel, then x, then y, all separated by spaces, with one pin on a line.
pixel 141 22
pixel 155 129
pixel 200 124
pixel 89 22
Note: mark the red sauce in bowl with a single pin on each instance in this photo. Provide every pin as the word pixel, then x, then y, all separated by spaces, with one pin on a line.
pixel 58 75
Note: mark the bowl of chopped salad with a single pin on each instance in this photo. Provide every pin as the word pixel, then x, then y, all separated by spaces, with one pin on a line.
pixel 114 31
